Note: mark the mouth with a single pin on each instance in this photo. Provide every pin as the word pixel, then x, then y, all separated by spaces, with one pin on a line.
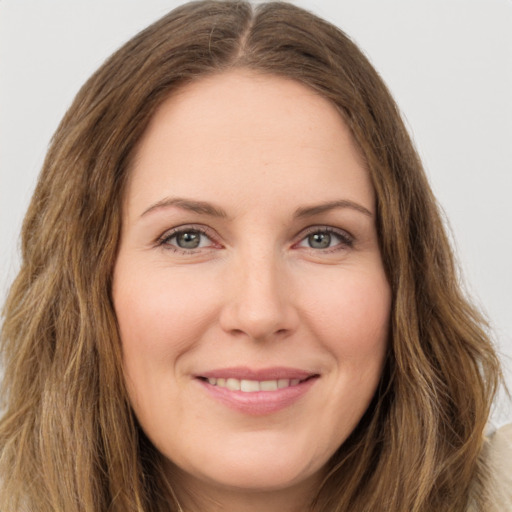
pixel 253 386
pixel 257 392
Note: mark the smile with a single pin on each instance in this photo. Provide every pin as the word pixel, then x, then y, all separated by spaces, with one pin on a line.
pixel 252 386
pixel 257 392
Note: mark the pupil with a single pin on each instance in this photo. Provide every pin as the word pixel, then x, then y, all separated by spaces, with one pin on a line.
pixel 319 240
pixel 188 240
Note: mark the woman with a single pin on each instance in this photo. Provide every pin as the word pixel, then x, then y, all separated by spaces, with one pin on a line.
pixel 236 290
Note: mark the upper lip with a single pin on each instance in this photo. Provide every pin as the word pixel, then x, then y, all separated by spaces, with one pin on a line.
pixel 260 374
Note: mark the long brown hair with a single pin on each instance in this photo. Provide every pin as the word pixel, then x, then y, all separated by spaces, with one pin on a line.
pixel 68 438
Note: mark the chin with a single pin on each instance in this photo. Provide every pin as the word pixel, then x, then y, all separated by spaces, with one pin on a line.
pixel 265 466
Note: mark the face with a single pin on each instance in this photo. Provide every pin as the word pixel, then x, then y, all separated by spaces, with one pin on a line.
pixel 249 289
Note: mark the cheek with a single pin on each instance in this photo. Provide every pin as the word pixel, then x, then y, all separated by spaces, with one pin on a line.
pixel 160 306
pixel 351 312
pixel 161 316
pixel 348 312
pixel 351 321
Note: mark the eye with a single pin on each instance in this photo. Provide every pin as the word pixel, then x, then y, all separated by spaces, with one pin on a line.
pixel 186 239
pixel 319 240
pixel 326 238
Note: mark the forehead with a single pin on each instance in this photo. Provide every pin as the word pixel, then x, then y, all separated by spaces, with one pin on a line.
pixel 233 129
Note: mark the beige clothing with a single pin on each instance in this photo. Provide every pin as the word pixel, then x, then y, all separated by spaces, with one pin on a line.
pixel 497 454
pixel 500 463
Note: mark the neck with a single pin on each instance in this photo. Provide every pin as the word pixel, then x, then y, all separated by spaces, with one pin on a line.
pixel 207 497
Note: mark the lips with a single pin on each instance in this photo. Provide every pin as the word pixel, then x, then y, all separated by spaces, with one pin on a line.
pixel 257 392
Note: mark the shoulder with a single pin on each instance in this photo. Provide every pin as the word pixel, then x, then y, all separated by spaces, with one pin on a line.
pixel 497 458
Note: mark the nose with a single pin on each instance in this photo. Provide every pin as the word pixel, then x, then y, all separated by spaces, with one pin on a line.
pixel 259 303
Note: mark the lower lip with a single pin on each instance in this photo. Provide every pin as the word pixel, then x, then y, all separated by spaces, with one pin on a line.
pixel 259 403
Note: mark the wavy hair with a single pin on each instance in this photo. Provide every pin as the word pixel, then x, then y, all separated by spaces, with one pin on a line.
pixel 68 438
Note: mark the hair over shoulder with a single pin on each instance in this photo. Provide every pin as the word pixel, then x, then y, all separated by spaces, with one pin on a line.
pixel 68 437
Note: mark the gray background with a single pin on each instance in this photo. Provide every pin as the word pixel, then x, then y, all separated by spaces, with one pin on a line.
pixel 448 63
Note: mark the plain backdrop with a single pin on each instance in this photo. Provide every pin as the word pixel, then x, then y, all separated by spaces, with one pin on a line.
pixel 447 62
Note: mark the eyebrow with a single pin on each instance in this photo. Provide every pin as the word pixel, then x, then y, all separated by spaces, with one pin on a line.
pixel 205 208
pixel 309 211
pixel 201 207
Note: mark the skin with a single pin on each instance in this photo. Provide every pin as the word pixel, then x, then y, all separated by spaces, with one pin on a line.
pixel 257 292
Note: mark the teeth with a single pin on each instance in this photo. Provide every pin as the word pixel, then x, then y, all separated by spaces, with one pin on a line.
pixel 233 384
pixel 251 386
pixel 268 385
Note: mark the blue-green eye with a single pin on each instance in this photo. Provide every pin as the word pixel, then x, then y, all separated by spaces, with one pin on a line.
pixel 326 239
pixel 186 239
pixel 319 240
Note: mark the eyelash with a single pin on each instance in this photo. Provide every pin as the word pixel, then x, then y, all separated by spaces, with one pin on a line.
pixel 345 239
pixel 164 240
